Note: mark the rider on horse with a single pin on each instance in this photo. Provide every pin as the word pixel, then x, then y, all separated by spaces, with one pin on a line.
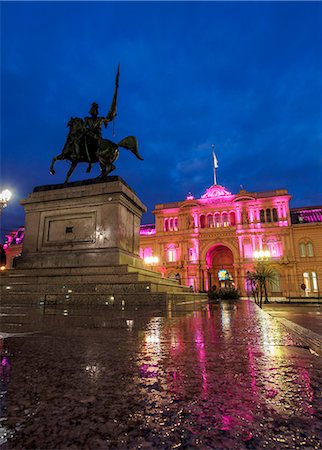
pixel 93 130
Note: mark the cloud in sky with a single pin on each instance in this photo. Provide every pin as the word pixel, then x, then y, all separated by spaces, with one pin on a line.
pixel 245 76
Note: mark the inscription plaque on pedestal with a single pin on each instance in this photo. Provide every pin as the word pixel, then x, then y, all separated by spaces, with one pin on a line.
pixel 88 223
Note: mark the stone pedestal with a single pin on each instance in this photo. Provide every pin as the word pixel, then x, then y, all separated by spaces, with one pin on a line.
pixel 82 224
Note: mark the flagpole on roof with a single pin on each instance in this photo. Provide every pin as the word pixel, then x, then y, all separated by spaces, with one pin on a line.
pixel 215 163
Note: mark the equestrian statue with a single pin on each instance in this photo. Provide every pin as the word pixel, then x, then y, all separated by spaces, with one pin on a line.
pixel 85 143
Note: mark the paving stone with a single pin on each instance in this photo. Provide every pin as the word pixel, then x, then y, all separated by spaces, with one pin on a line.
pixel 224 376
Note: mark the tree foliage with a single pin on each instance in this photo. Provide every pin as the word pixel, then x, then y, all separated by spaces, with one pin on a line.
pixel 257 282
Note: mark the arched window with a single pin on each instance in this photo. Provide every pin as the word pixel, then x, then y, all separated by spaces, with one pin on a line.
pixel 225 220
pixel 310 281
pixel 210 221
pixel 166 225
pixel 232 218
pixel 275 216
pixel 268 215
pixel 302 249
pixel 275 282
pixel 192 254
pixel 309 249
pixel 262 216
pixel 306 249
pixel 217 220
pixel 170 224
pixel 175 224
pixel 202 221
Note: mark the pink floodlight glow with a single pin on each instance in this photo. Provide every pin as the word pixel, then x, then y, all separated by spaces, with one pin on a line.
pixel 189 196
pixel 216 191
pixel 147 230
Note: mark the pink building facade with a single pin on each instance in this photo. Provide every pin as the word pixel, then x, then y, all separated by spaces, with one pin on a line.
pixel 218 238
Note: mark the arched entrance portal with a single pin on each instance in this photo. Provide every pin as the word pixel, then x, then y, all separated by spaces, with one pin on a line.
pixel 220 266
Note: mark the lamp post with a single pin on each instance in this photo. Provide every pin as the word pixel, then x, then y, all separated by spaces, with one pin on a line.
pixel 151 261
pixel 5 196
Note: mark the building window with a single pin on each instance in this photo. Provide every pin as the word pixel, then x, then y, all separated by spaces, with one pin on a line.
pixel 309 249
pixel 275 216
pixel 272 246
pixel 172 254
pixel 217 220
pixel 232 218
pixel 225 220
pixel 147 252
pixel 262 216
pixel 202 221
pixel 306 249
pixel 171 224
pixel 248 250
pixel 268 215
pixel 310 281
pixel 175 224
pixel 302 249
pixel 210 221
pixel 166 225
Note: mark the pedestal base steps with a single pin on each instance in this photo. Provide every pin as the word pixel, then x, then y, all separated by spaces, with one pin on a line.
pixel 82 246
pixel 120 284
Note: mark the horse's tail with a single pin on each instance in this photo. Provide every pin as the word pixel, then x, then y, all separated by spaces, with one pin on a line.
pixel 131 143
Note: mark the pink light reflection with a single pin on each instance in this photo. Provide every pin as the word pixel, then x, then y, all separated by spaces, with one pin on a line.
pixel 226 423
pixel 304 375
pixel 200 345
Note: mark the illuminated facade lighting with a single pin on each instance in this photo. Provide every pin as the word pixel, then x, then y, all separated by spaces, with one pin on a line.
pixel 261 254
pixel 149 260
pixel 5 196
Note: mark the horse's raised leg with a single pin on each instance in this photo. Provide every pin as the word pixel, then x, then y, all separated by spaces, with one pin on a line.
pixel 71 170
pixel 51 168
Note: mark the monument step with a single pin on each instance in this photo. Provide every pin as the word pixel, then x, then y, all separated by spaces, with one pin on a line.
pixel 45 287
pixel 107 274
pixel 89 288
pixel 99 299
pixel 67 271
pixel 92 299
pixel 64 280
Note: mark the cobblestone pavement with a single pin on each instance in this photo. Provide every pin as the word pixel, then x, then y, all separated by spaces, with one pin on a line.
pixel 307 316
pixel 227 376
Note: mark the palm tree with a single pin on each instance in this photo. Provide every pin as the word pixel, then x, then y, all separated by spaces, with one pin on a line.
pixel 258 282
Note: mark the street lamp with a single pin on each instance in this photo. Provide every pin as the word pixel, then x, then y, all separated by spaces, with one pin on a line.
pixel 5 196
pixel 151 261
pixel 261 255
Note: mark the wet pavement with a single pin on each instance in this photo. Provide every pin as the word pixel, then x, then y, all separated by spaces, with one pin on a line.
pixel 226 376
pixel 307 316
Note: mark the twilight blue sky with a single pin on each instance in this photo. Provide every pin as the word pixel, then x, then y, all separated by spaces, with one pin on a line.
pixel 245 76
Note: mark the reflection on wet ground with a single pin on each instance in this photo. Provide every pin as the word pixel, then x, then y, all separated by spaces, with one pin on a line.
pixel 225 376
pixel 307 316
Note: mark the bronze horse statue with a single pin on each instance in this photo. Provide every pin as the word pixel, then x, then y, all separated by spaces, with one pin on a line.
pixel 82 146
